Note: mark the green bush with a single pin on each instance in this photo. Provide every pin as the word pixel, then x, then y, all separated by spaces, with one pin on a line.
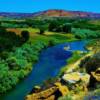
pixel 16 64
pixel 67 97
pixel 85 33
pixel 91 63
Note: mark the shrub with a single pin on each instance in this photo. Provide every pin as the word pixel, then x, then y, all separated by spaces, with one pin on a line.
pixel 67 97
pixel 91 63
pixel 67 28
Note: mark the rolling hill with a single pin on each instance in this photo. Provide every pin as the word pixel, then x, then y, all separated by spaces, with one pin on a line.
pixel 51 13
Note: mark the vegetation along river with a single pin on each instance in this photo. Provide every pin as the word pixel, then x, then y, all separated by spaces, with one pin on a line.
pixel 50 62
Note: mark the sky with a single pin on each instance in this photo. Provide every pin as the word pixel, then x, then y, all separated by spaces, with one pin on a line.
pixel 30 6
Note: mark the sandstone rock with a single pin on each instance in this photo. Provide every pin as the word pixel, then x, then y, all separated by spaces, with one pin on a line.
pixel 74 77
pixel 63 89
pixel 49 94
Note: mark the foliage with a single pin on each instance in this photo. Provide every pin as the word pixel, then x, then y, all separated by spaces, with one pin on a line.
pixel 85 33
pixel 91 63
pixel 17 64
pixel 67 28
pixel 86 24
pixel 19 53
pixel 25 36
pixel 8 40
pixel 67 97
pixel 75 57
pixel 95 95
pixel 56 26
pixel 42 30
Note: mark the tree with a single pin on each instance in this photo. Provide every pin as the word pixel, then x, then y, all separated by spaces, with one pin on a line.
pixel 53 25
pixel 29 22
pixel 2 31
pixel 25 36
pixel 8 40
pixel 42 30
pixel 67 28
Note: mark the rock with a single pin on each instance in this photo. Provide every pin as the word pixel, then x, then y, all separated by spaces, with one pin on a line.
pixel 36 89
pixel 74 77
pixel 62 88
pixel 51 98
pixel 43 94
pixel 96 75
pixel 52 93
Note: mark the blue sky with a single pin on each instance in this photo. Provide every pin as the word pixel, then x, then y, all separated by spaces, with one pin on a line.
pixel 40 5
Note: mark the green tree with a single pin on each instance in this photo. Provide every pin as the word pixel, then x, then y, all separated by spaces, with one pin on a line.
pixel 67 28
pixel 42 30
pixel 25 36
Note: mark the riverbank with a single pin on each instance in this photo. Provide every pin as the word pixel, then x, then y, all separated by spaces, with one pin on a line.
pixel 41 42
pixel 60 54
pixel 75 64
pixel 36 43
pixel 76 78
pixel 70 93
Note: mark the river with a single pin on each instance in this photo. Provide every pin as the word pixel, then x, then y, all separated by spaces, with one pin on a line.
pixel 50 62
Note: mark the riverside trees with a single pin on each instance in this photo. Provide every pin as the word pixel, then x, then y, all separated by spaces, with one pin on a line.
pixel 17 64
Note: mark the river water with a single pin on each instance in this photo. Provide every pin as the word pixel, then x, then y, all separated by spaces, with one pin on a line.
pixel 50 62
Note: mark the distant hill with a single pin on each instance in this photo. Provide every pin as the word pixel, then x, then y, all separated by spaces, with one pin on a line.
pixel 51 13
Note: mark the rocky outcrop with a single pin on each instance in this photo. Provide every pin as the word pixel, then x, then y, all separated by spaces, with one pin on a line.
pixel 94 78
pixel 42 95
pixel 96 75
pixel 52 93
pixel 74 77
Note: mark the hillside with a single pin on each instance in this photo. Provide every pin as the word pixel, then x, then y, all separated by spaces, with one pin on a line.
pixel 51 13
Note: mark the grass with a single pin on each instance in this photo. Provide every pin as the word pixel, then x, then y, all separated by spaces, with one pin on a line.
pixel 35 36
pixel 77 55
pixel 32 31
pixel 55 37
pixel 62 37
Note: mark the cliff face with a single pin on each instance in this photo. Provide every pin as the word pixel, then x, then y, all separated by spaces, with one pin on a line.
pixel 52 13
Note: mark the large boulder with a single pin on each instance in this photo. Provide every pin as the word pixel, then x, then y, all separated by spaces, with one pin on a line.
pixel 74 77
